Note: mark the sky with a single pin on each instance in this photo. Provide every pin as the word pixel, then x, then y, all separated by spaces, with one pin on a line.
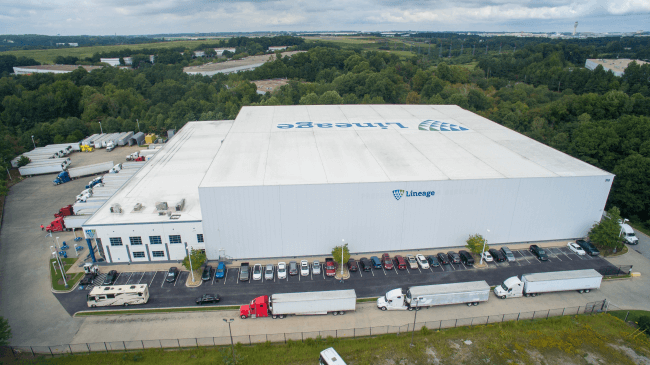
pixel 133 17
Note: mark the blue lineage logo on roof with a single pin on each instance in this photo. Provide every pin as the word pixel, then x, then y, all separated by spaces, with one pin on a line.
pixel 438 126
pixel 398 194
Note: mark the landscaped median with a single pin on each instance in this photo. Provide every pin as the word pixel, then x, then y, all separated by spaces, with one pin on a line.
pixel 58 285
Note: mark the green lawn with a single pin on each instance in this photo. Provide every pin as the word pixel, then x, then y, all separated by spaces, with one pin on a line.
pixel 56 274
pixel 593 339
pixel 632 317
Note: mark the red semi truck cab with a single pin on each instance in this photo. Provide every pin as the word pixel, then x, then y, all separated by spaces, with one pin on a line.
pixel 259 307
pixel 64 212
pixel 57 225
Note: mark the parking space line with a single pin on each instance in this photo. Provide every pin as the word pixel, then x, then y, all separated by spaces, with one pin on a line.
pixel 140 277
pixel 127 280
pixel 384 270
pixel 213 277
pixel 407 270
pixel 178 278
pixel 225 277
pixel 360 273
pixel 154 276
pixel 419 270
pixel 464 266
pixel 237 276
pixel 118 276
pixel 524 256
pixel 163 281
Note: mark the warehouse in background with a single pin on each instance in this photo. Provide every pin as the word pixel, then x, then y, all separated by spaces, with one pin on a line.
pixel 297 180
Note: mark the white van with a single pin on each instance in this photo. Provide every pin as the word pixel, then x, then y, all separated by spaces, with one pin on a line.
pixel 628 233
pixel 330 357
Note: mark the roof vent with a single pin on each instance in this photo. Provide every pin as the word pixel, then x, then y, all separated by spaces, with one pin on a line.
pixel 161 206
pixel 175 216
pixel 116 208
pixel 180 205
pixel 137 207
pixel 163 212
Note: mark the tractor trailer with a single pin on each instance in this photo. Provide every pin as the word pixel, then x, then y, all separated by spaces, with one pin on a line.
pixel 416 297
pixel 530 285
pixel 300 304
pixel 76 172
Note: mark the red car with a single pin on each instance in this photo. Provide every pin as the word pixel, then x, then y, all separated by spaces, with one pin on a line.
pixel 388 262
pixel 400 262
pixel 330 266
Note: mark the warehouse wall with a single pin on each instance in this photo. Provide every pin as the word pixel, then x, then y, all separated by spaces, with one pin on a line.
pixel 297 220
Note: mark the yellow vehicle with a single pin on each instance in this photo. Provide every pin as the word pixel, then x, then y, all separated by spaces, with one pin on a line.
pixel 85 148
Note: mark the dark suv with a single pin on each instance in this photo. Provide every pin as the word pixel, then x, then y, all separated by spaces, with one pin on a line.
pixel 400 262
pixel 376 262
pixel 466 258
pixel 443 258
pixel 497 255
pixel 453 257
pixel 589 248
pixel 172 274
pixel 352 265
pixel 539 252
pixel 365 264
pixel 433 261
pixel 110 278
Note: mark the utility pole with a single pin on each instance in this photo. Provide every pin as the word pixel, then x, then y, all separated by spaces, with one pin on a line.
pixel 414 318
pixel 450 43
pixel 473 49
pixel 232 345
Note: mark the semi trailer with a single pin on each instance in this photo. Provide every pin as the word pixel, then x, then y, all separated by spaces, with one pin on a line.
pixel 28 170
pixel 416 297
pixel 337 302
pixel 77 172
pixel 530 285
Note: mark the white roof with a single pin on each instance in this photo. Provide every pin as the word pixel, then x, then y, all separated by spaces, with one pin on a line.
pixel 173 175
pixel 378 143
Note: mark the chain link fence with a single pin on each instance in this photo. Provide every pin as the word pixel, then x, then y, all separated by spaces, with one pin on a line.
pixel 123 346
pixel 612 270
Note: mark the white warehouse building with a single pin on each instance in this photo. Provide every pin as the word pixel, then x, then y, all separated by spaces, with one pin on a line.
pixel 297 180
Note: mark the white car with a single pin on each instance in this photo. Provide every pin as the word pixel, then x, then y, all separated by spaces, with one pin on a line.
pixel 268 272
pixel 257 272
pixel 487 257
pixel 304 268
pixel 575 248
pixel 422 261
pixel 282 270
pixel 315 268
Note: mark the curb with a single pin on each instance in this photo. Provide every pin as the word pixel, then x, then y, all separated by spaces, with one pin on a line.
pixel 158 310
pixel 49 275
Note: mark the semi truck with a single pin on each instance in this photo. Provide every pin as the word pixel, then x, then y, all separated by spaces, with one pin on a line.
pixel 77 172
pixel 416 297
pixel 306 303
pixel 67 223
pixel 531 285
pixel 65 211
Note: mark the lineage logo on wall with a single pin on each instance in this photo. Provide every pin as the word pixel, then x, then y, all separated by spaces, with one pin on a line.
pixel 438 126
pixel 398 194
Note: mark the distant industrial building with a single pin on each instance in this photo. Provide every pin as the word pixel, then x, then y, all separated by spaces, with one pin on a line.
pixel 617 66
pixel 52 69
pixel 277 48
pixel 233 66
pixel 220 51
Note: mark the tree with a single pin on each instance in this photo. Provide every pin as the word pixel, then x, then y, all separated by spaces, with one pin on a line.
pixel 23 160
pixel 607 232
pixel 198 259
pixel 5 332
pixel 336 254
pixel 475 244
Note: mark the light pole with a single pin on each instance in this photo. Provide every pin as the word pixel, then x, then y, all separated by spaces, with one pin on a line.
pixel 138 125
pixel 100 127
pixel 7 167
pixel 76 253
pixel 342 247
pixel 232 345
pixel 482 252
pixel 33 142
pixel 58 259
pixel 190 256
pixel 414 319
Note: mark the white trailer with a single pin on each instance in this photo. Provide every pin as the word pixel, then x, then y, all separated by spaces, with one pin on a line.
pixel 50 161
pixel 124 138
pixel 88 170
pixel 306 303
pixel 75 221
pixel 28 170
pixel 148 152
pixel 470 293
pixel 84 206
pixel 104 191
pixel 530 285
pixel 101 296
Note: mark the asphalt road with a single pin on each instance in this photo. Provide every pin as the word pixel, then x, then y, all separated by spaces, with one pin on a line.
pixel 367 284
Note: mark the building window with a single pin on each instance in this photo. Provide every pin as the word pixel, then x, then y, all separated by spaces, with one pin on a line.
pixel 135 240
pixel 174 238
pixel 158 253
pixel 155 240
pixel 199 238
pixel 116 241
pixel 138 255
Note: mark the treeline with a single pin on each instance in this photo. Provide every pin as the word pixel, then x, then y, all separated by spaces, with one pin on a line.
pixel 12 42
pixel 604 121
pixel 7 63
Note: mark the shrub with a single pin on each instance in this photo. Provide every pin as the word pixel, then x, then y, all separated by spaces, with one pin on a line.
pixel 424 330
pixel 644 324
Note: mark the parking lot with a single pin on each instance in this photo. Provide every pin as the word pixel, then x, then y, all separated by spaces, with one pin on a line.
pixel 367 283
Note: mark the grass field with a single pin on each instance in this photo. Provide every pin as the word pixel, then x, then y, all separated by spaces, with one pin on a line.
pixel 47 56
pixel 585 339
pixel 57 278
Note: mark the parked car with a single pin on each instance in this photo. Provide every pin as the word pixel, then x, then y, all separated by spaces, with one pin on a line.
pixel 433 261
pixel 244 271
pixel 315 267
pixel 453 257
pixel 268 272
pixel 365 264
pixel 589 248
pixel 304 268
pixel 282 270
pixel 413 263
pixel 575 248
pixel 207 299
pixel 352 265
pixel 293 268
pixel 207 273
pixel 487 257
pixel 376 262
pixel 399 262
pixel 497 255
pixel 330 266
pixel 172 274
pixel 508 254
pixel 443 258
pixel 466 258
pixel 110 278
pixel 422 261
pixel 388 262
pixel 539 252
pixel 221 270
pixel 257 272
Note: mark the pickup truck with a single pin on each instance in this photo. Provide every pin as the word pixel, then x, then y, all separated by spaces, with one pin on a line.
pixel 244 271
pixel 330 266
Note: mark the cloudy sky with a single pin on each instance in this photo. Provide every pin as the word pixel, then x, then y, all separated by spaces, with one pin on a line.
pixel 72 17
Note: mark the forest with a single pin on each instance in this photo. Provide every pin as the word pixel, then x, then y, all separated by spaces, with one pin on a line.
pixel 541 90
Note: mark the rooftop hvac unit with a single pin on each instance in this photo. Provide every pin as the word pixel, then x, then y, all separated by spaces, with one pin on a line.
pixel 180 205
pixel 161 206
pixel 164 212
pixel 116 208
pixel 137 207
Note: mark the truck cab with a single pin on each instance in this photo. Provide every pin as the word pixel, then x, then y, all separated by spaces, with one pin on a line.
pixel 63 177
pixel 510 288
pixel 393 300
pixel 259 307
pixel 628 234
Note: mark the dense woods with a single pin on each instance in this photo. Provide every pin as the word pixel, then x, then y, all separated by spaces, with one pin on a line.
pixel 541 90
